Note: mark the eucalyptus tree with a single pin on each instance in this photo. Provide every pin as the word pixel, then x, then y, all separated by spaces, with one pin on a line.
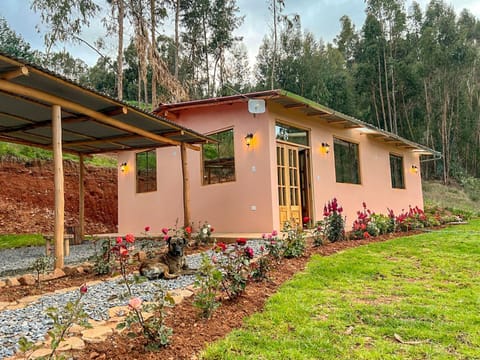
pixel 64 19
pixel 13 44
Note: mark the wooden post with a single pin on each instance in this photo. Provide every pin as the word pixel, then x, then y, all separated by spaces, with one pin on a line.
pixel 59 190
pixel 186 185
pixel 81 199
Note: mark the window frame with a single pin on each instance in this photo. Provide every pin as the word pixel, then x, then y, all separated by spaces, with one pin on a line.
pixel 204 179
pixel 338 141
pixel 149 171
pixel 401 168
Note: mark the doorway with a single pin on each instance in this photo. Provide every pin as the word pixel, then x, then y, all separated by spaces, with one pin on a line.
pixel 293 164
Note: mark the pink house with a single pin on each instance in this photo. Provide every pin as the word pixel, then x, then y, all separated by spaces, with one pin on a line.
pixel 279 157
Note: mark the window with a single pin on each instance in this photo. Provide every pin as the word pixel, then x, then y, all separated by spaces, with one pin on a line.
pixel 347 169
pixel 291 134
pixel 146 165
pixel 219 159
pixel 396 172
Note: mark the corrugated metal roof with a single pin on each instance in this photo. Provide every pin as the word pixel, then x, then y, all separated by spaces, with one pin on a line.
pixel 92 122
pixel 308 108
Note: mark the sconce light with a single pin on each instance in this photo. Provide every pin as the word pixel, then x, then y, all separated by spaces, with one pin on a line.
pixel 414 169
pixel 325 148
pixel 248 139
pixel 123 167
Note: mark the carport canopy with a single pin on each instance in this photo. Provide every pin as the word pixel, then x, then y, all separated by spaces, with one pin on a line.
pixel 39 108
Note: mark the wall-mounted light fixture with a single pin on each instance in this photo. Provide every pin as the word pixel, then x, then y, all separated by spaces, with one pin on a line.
pixel 123 167
pixel 324 148
pixel 248 139
pixel 414 169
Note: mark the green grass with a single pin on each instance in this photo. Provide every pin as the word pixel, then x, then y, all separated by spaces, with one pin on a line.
pixel 25 153
pixel 423 288
pixel 437 194
pixel 14 241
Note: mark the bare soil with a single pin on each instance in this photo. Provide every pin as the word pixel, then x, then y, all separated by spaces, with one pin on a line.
pixel 27 197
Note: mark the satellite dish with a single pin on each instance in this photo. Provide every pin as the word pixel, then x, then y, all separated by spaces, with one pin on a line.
pixel 256 106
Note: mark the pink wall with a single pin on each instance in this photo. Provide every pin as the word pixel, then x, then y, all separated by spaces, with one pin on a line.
pixel 375 188
pixel 250 204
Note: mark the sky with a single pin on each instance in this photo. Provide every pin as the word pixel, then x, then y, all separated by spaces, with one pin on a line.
pixel 321 17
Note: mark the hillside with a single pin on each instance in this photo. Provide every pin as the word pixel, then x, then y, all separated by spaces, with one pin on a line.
pixel 27 197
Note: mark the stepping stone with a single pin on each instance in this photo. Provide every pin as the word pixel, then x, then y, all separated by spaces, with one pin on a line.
pixel 97 334
pixel 27 279
pixel 73 343
pixel 40 353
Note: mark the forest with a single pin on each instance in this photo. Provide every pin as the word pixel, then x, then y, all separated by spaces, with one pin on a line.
pixel 411 71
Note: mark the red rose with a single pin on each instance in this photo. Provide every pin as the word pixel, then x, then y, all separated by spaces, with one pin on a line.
pixel 119 240
pixel 221 246
pixel 188 230
pixel 130 238
pixel 241 241
pixel 147 228
pixel 306 219
pixel 212 229
pixel 366 235
pixel 249 252
pixel 83 289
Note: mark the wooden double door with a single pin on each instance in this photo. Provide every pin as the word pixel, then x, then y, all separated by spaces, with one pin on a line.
pixel 293 188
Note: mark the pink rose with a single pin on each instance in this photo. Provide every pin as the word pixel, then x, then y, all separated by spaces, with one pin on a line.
pixel 119 240
pixel 165 231
pixel 135 303
pixel 83 289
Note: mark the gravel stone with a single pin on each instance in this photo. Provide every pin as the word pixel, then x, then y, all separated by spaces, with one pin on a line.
pixel 32 321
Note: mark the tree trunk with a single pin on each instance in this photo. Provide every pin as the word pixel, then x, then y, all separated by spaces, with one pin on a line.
pixel 380 89
pixel 153 47
pixel 387 92
pixel 177 42
pixel 274 56
pixel 205 45
pixel 121 15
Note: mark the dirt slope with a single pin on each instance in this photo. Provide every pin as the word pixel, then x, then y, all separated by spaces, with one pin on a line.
pixel 27 197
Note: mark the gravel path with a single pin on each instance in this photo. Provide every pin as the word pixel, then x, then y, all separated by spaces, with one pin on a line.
pixel 20 260
pixel 32 322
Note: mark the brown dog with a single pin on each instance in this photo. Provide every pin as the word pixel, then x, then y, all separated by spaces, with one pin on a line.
pixel 169 265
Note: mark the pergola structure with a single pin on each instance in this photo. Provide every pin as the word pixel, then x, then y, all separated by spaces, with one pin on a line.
pixel 39 108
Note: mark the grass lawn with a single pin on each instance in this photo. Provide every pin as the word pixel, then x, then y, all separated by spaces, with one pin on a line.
pixel 14 241
pixel 363 303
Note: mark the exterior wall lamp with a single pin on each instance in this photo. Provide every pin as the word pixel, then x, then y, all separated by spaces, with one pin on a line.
pixel 248 139
pixel 324 148
pixel 124 167
pixel 414 169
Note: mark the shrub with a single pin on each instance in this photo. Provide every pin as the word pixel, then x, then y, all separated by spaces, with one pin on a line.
pixel 208 281
pixel 41 265
pixel 318 234
pixel 260 268
pixel 153 329
pixel 293 244
pixel 273 245
pixel 413 219
pixel 334 224
pixel 204 234
pixel 384 224
pixel 234 264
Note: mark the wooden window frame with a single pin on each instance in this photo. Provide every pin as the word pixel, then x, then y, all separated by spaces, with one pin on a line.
pixel 401 168
pixel 339 142
pixel 150 184
pixel 205 174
